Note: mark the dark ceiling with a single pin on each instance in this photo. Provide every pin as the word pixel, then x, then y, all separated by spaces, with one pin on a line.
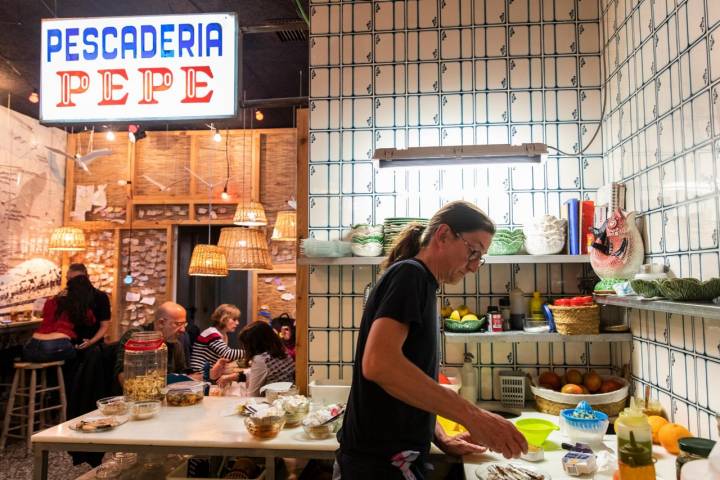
pixel 271 64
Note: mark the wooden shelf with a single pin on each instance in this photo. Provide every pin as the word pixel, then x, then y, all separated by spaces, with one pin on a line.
pixel 695 309
pixel 490 259
pixel 520 337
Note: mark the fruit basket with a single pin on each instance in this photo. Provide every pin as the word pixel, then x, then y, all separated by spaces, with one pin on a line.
pixel 576 320
pixel 610 403
pixel 465 326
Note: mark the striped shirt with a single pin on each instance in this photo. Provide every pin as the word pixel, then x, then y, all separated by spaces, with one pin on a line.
pixel 266 369
pixel 209 347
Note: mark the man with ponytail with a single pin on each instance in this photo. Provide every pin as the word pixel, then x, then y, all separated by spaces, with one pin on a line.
pixel 390 418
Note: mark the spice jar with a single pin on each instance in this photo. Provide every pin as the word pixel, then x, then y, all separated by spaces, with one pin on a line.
pixel 692 449
pixel 145 367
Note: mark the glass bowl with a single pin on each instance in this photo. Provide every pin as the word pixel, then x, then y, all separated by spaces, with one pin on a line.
pixel 110 406
pixel 265 427
pixel 272 393
pixel 296 408
pixel 321 432
pixel 183 394
pixel 144 409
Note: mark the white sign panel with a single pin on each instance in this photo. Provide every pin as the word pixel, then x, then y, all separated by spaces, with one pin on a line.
pixel 162 67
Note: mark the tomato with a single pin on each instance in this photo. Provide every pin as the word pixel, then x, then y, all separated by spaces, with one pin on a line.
pixel 562 302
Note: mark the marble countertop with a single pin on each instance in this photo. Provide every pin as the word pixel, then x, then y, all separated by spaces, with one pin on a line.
pixel 552 464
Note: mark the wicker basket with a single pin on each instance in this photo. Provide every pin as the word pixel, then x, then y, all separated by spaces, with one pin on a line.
pixel 576 320
pixel 611 403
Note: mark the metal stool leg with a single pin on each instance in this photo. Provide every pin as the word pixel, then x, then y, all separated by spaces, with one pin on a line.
pixel 63 398
pixel 31 408
pixel 10 406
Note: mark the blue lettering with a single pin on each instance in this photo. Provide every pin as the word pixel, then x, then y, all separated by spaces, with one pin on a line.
pixel 165 29
pixel 131 44
pixel 200 39
pixel 90 42
pixel 54 42
pixel 107 32
pixel 146 30
pixel 183 43
pixel 214 41
pixel 70 43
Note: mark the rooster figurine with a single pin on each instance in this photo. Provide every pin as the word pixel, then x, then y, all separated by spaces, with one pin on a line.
pixel 617 251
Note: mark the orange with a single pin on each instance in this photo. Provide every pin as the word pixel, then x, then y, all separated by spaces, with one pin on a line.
pixel 669 434
pixel 656 423
pixel 572 389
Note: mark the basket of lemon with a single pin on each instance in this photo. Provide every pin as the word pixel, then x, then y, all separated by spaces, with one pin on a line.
pixel 461 320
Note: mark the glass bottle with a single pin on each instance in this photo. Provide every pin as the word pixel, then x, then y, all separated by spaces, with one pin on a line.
pixel 634 436
pixel 145 366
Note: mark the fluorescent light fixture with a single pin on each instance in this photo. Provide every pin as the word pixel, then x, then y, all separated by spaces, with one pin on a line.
pixel 499 154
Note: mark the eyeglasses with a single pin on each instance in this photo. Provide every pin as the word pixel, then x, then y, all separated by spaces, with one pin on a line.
pixel 473 254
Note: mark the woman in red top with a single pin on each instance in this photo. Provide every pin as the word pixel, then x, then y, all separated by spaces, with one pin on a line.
pixel 62 314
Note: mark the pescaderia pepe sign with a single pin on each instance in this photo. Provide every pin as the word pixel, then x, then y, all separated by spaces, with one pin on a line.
pixel 163 67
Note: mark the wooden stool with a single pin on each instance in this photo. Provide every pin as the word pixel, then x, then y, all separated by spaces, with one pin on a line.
pixel 23 399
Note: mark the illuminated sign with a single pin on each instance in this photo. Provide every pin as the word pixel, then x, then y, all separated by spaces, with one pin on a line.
pixel 163 67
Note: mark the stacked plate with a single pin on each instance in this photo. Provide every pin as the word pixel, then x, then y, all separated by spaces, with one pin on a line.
pixel 367 240
pixel 394 225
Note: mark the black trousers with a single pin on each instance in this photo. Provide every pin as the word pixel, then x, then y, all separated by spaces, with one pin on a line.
pixel 367 468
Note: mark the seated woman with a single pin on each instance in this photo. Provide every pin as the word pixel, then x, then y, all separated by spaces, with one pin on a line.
pixel 212 344
pixel 63 315
pixel 284 325
pixel 269 362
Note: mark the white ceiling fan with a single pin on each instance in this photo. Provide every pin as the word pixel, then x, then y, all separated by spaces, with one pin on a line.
pixel 162 187
pixel 83 160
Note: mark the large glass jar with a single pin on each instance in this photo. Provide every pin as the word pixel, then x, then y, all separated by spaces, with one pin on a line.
pixel 145 366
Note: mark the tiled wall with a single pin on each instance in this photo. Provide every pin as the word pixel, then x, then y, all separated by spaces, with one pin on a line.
pixel 448 72
pixel 662 138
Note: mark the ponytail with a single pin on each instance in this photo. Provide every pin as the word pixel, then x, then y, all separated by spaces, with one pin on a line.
pixel 407 244
pixel 460 216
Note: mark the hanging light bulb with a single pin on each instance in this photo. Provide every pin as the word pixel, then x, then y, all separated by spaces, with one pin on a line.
pixel 259 115
pixel 225 195
pixel 34 97
pixel 217 137
pixel 110 135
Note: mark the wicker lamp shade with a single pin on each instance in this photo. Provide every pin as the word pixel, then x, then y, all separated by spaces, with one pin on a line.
pixel 246 248
pixel 67 239
pixel 250 214
pixel 285 227
pixel 208 261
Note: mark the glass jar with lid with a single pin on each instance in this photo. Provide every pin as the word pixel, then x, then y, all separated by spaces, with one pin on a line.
pixel 692 448
pixel 145 366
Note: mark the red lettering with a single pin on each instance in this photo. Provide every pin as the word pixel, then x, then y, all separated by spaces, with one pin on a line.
pixel 67 89
pixel 192 84
pixel 109 86
pixel 150 87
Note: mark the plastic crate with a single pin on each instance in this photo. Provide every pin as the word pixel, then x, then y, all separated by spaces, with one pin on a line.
pixel 512 388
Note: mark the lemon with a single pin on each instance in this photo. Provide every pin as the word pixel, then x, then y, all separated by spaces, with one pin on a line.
pixel 469 316
pixel 455 315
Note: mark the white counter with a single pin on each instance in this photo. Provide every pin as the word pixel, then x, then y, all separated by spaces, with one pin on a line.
pixel 552 464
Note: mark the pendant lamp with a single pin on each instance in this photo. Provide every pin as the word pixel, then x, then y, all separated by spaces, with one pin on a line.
pixel 67 239
pixel 285 227
pixel 250 214
pixel 245 248
pixel 208 261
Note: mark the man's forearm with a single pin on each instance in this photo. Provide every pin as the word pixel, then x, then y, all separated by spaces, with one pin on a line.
pixel 104 325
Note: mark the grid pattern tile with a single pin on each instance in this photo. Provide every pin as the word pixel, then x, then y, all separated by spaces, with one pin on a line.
pixel 449 72
pixel 662 139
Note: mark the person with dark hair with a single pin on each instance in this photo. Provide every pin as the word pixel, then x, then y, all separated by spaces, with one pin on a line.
pixel 284 325
pixel 390 419
pixel 100 305
pixel 269 362
pixel 63 315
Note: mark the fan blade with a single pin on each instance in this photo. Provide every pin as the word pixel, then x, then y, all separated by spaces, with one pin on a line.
pixel 60 152
pixel 89 157
pixel 82 165
pixel 162 187
pixel 198 177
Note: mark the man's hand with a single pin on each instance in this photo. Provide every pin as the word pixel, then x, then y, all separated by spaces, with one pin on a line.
pixel 458 445
pixel 85 344
pixel 496 433
pixel 219 368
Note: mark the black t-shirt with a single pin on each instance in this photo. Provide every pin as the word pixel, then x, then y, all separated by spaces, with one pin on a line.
pixel 377 424
pixel 101 309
